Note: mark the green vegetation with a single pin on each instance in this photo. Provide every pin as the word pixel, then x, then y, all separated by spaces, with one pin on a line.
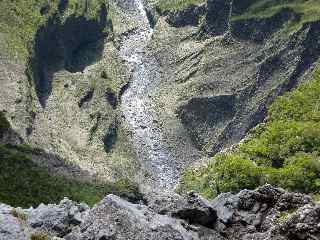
pixel 284 152
pixel 20 19
pixel 308 10
pixel 18 22
pixel 165 5
pixel 23 183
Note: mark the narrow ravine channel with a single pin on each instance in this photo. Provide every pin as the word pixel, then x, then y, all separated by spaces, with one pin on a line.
pixel 136 103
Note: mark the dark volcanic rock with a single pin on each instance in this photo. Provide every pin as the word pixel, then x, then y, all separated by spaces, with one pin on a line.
pixel 196 211
pixel 255 211
pixel 304 224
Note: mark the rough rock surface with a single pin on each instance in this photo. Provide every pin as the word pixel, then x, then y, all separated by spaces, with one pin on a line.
pixel 252 213
pixel 265 213
pixel 11 227
pixel 114 218
pixel 57 220
pixel 53 220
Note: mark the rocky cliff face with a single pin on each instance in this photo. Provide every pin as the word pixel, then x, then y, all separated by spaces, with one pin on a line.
pixel 65 97
pixel 221 73
pixel 265 213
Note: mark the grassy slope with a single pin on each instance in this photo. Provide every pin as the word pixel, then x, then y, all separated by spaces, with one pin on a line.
pixel 285 151
pixel 20 19
pixel 165 5
pixel 309 10
pixel 23 183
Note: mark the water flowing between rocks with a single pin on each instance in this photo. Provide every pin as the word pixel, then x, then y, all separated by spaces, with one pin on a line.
pixel 136 103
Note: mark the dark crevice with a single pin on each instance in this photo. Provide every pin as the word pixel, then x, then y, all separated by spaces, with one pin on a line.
pixel 4 124
pixel 111 136
pixel 86 98
pixel 123 89
pixel 151 18
pixel 217 17
pixel 189 16
pixel 70 44
pixel 111 98
pixel 193 216
pixel 96 118
pixel 45 9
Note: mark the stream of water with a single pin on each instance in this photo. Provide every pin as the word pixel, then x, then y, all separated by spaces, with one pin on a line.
pixel 136 103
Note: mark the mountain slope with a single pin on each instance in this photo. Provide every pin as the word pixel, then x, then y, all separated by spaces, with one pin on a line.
pixel 206 71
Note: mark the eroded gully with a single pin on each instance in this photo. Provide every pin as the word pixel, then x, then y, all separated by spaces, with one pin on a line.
pixel 137 106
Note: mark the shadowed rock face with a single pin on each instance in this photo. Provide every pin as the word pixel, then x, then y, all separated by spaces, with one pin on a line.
pixel 7 134
pixel 110 137
pixel 70 44
pixel 207 115
pixel 217 17
pixel 260 29
pixel 188 16
pixel 265 213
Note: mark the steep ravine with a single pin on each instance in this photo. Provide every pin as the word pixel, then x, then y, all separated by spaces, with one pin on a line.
pixel 136 102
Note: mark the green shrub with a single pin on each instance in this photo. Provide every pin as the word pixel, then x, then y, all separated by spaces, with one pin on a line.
pixel 303 104
pixel 282 139
pixel 234 172
pixel 301 173
pixel 227 172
